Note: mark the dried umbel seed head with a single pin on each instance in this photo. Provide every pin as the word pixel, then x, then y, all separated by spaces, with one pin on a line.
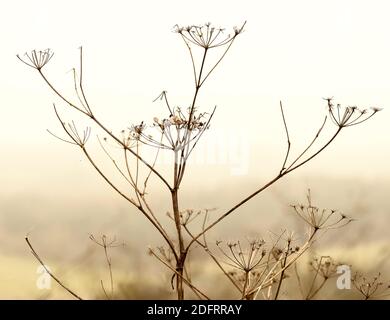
pixel 207 36
pixel 372 288
pixel 106 242
pixel 276 253
pixel 177 120
pixel 318 218
pixel 189 215
pixel 349 116
pixel 325 266
pixel 245 257
pixel 256 243
pixel 37 59
pixel 137 130
pixel 172 130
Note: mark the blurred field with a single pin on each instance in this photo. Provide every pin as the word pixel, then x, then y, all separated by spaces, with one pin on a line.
pixel 59 231
pixel 152 282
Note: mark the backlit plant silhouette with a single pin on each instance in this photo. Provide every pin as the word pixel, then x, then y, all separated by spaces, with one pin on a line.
pixel 258 267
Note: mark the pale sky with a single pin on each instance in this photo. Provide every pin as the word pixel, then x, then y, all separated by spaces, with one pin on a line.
pixel 294 51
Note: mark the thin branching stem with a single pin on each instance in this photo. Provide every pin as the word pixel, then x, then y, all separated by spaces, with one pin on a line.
pixel 35 254
pixel 288 139
pixel 91 116
pixel 271 182
pixel 178 274
pixel 283 264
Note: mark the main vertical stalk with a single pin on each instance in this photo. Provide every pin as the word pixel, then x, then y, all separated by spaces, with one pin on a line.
pixel 176 214
pixel 178 175
pixel 181 255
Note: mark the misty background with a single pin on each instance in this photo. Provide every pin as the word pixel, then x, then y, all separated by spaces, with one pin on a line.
pixel 298 53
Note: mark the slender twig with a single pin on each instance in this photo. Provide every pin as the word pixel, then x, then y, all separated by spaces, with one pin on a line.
pixel 301 251
pixel 318 289
pixel 288 139
pixel 115 164
pixel 188 283
pixel 165 236
pixel 299 280
pixel 150 171
pixel 271 182
pixel 92 116
pixel 283 264
pixel 192 59
pixel 81 81
pixel 108 260
pixel 223 55
pixel 317 270
pixel 138 206
pixel 215 259
pixel 35 254
pixel 309 146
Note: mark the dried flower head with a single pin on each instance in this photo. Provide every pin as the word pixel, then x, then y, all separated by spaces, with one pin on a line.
pixel 136 131
pixel 243 258
pixel 37 59
pixel 325 266
pixel 105 242
pixel 318 218
pixel 372 288
pixel 206 35
pixel 349 116
pixel 172 132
